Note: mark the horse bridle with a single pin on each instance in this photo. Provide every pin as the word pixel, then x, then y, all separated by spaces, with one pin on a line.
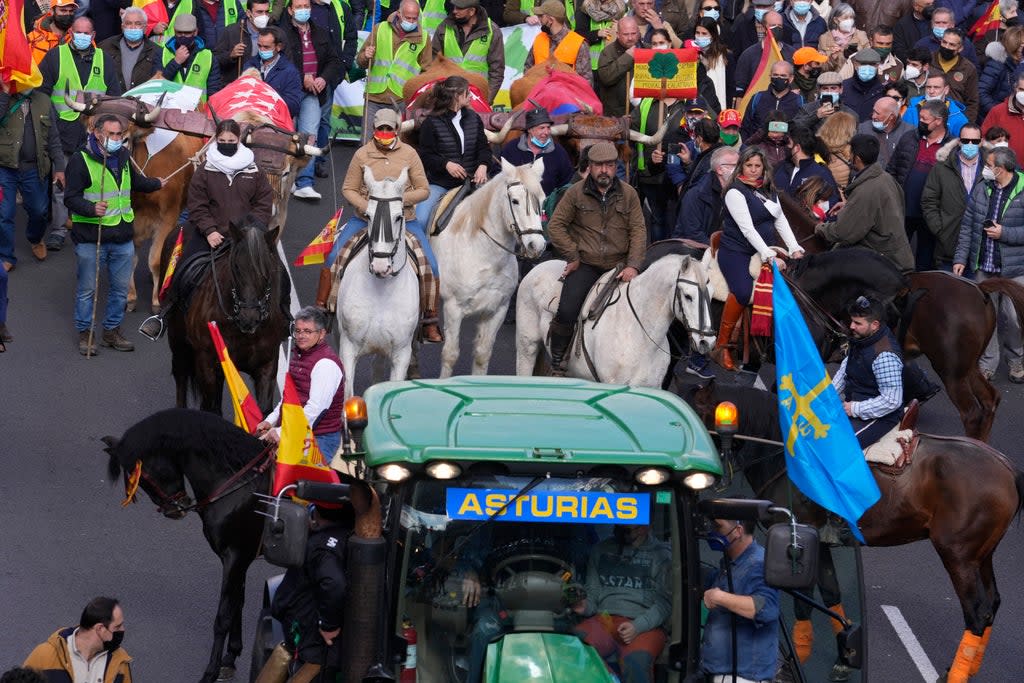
pixel 532 206
pixel 238 304
pixel 382 223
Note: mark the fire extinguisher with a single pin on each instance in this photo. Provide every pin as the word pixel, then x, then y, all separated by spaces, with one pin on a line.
pixel 409 668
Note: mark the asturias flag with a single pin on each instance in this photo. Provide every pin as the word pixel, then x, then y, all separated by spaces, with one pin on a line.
pixel 247 413
pixel 763 76
pixel 824 459
pixel 321 245
pixel 298 456
pixel 17 68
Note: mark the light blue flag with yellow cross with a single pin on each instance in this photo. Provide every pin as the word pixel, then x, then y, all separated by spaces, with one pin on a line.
pixel 823 457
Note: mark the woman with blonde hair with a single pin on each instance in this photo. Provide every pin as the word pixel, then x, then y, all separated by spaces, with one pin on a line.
pixel 835 134
pixel 750 222
pixel 843 38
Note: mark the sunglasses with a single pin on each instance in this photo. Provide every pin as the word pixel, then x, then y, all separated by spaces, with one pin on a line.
pixel 862 303
pixel 710 7
pixel 970 141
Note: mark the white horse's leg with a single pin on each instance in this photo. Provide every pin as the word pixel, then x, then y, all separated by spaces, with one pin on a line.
pixel 483 343
pixel 452 330
pixel 400 358
pixel 529 341
pixel 347 352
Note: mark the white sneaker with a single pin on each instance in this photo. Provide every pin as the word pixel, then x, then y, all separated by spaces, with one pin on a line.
pixel 306 193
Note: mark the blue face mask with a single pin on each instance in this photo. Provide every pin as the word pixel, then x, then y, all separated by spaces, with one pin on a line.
pixel 866 72
pixel 712 14
pixel 969 150
pixel 267 55
pixel 801 8
pixel 113 145
pixel 702 41
pixel 878 125
pixel 302 15
pixel 540 144
pixel 133 35
pixel 409 26
pixel 759 14
pixel 717 541
pixel 938 32
pixel 81 41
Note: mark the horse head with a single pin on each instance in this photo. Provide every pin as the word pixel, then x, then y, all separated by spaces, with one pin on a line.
pixel 386 210
pixel 522 206
pixel 160 478
pixel 254 273
pixel 693 303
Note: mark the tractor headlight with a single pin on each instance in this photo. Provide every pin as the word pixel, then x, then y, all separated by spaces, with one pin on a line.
pixel 443 470
pixel 393 472
pixel 699 480
pixel 651 476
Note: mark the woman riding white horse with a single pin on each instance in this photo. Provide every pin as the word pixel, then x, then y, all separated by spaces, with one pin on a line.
pixel 477 252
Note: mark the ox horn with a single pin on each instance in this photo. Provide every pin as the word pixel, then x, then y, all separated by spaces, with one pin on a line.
pixel 407 126
pixel 649 140
pixel 312 150
pixel 152 115
pixel 559 129
pixel 73 104
pixel 499 137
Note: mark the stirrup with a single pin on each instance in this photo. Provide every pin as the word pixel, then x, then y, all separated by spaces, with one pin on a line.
pixel 160 333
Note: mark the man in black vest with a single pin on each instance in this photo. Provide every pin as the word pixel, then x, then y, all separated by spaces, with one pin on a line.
pixel 870 378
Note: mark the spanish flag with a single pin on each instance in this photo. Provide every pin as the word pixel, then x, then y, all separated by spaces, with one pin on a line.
pixel 18 71
pixel 988 22
pixel 321 245
pixel 247 413
pixel 173 262
pixel 298 456
pixel 763 76
pixel 155 11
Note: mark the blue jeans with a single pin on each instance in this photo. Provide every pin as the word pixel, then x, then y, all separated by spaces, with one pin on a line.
pixel 308 121
pixel 117 260
pixel 35 197
pixel 3 296
pixel 355 224
pixel 328 445
pixel 424 208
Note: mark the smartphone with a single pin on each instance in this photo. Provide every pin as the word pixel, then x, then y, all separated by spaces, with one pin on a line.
pixel 987 223
pixel 824 99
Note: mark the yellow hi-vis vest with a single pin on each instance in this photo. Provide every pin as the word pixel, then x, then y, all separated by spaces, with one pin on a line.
pixel 232 13
pixel 118 199
pixel 645 110
pixel 595 49
pixel 526 7
pixel 198 71
pixel 392 68
pixel 475 58
pixel 69 82
pixel 433 14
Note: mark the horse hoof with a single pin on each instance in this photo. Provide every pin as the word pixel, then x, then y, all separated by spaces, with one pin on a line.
pixel 226 673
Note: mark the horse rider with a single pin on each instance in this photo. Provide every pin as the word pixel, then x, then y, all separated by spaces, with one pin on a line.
pixel 870 378
pixel 227 188
pixel 597 225
pixel 471 40
pixel 557 39
pixel 396 50
pixel 386 156
pixel 319 380
pixel 753 215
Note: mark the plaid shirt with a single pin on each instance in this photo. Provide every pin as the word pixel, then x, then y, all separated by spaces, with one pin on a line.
pixel 991 259
pixel 888 369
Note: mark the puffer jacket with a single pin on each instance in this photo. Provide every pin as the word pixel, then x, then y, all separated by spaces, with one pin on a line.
pixel 439 144
pixel 214 200
pixel 1011 242
pixel 598 232
pixel 387 164
pixel 997 78
pixel 53 660
pixel 944 198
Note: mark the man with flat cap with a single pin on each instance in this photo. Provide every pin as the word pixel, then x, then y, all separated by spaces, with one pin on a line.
pixel 597 226
pixel 829 100
pixel 471 40
pixel 187 59
pixel 538 143
pixel 557 39
pixel 861 90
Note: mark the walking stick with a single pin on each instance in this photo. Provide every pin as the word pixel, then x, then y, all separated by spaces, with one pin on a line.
pixel 89 349
pixel 241 35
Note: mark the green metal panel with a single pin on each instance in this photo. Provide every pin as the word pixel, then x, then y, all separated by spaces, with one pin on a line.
pixel 521 419
pixel 547 657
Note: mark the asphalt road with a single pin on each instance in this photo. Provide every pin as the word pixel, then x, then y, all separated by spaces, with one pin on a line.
pixel 65 537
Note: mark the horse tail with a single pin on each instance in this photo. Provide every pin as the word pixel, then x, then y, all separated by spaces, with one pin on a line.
pixel 905 303
pixel 1008 288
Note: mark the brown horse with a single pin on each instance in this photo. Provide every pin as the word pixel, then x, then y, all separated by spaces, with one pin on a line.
pixel 241 291
pixel 946 318
pixel 958 493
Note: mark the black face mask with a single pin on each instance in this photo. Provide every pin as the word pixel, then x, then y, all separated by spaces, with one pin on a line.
pixel 228 149
pixel 115 642
pixel 461 21
pixel 777 32
pixel 814 73
pixel 545 28
pixel 185 41
pixel 946 53
pixel 922 129
pixel 63 21
pixel 1012 21
pixel 780 84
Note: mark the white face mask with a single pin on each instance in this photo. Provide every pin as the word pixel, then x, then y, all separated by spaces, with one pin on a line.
pixel 1000 144
pixel 988 174
pixel 911 72
pixel 846 25
pixel 261 21
pixel 1019 97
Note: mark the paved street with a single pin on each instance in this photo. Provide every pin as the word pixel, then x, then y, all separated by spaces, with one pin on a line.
pixel 65 537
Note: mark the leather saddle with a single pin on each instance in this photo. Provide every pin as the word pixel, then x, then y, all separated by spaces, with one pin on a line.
pixel 190 272
pixel 442 213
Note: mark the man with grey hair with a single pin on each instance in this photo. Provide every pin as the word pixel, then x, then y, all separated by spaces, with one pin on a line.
pixel 992 245
pixel 133 57
pixel 886 125
pixel 319 379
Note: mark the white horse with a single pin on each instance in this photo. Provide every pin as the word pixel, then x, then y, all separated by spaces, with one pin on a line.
pixel 476 254
pixel 379 306
pixel 628 343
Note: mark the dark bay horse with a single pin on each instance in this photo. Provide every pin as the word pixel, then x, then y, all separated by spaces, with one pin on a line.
pixel 224 467
pixel 946 318
pixel 242 292
pixel 958 493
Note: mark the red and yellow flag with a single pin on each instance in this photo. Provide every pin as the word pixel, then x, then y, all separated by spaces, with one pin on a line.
pixel 155 11
pixel 173 262
pixel 321 245
pixel 763 76
pixel 247 413
pixel 988 22
pixel 298 456
pixel 18 71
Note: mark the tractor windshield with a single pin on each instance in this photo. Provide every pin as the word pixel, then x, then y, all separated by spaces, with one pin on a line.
pixel 491 556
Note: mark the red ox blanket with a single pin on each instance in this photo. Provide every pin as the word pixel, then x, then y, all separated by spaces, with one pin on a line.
pixel 563 93
pixel 477 100
pixel 251 95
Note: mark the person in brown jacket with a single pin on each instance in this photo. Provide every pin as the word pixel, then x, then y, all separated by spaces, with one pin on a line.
pixel 597 226
pixel 93 646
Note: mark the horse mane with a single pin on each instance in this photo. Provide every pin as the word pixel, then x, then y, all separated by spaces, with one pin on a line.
pixel 855 264
pixel 472 211
pixel 677 247
pixel 253 257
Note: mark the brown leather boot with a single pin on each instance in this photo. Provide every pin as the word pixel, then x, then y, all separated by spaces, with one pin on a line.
pixel 323 288
pixel 431 331
pixel 722 354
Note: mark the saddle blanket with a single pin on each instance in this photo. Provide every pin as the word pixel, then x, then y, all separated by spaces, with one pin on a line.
pixel 889 449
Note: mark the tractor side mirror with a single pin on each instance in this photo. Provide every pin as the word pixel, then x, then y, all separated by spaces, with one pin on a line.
pixel 850 643
pixel 284 536
pixel 791 556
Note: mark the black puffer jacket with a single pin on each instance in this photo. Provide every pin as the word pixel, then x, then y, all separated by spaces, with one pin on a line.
pixel 439 144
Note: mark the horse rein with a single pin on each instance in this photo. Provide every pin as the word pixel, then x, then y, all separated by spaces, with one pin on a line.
pixel 262 305
pixel 531 207
pixel 386 228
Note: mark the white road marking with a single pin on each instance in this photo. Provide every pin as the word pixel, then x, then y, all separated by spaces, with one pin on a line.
pixel 914 649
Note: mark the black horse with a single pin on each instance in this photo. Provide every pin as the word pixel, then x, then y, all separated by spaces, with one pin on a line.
pixel 224 466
